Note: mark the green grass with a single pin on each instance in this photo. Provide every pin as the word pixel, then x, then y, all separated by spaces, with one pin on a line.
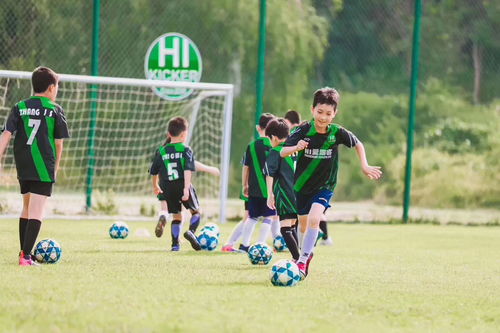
pixel 376 278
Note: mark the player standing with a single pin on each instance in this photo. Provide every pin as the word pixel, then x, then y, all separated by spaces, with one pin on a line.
pixel 41 127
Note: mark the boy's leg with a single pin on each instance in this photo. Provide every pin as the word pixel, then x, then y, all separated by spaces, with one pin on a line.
pixel 265 228
pixel 291 242
pixel 176 230
pixel 310 236
pixel 301 229
pixel 248 228
pixel 35 213
pixel 23 220
pixel 236 233
pixel 162 218
pixel 275 227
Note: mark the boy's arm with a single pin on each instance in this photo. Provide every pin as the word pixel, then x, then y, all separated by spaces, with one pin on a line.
pixel 156 188
pixel 4 142
pixel 287 151
pixel 372 172
pixel 187 184
pixel 59 150
pixel 270 194
pixel 206 168
pixel 245 174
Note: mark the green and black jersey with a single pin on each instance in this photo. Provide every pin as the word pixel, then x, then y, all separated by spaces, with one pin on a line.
pixel 282 170
pixel 317 165
pixel 170 162
pixel 37 122
pixel 255 158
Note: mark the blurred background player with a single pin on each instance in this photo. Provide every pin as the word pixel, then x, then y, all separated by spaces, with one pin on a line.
pixel 292 119
pixel 172 169
pixel 317 144
pixel 41 127
pixel 254 185
pixel 279 173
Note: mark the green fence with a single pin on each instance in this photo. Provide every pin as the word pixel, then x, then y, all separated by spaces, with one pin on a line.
pixel 363 48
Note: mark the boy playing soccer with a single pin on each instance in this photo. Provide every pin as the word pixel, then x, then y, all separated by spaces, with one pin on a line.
pixel 254 185
pixel 279 179
pixel 172 169
pixel 317 144
pixel 41 127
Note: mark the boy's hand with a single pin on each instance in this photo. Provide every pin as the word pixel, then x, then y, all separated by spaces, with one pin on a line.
pixel 301 145
pixel 185 194
pixel 270 201
pixel 245 191
pixel 157 190
pixel 372 172
pixel 214 171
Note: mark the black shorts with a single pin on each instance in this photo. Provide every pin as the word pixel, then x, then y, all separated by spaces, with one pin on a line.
pixel 37 187
pixel 257 207
pixel 288 216
pixel 173 197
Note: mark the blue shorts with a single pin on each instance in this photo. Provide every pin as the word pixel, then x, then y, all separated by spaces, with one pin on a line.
pixel 304 202
pixel 257 207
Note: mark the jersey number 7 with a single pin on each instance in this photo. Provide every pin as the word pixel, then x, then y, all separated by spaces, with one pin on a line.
pixel 35 123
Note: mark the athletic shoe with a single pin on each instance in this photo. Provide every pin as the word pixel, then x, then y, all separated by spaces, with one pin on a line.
pixel 26 262
pixel 162 220
pixel 189 235
pixel 176 248
pixel 327 242
pixel 302 270
pixel 228 248
pixel 308 262
pixel 243 248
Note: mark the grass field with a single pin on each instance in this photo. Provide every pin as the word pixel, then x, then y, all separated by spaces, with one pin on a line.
pixel 376 278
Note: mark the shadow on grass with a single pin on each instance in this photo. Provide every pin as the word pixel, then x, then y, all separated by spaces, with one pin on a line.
pixel 234 284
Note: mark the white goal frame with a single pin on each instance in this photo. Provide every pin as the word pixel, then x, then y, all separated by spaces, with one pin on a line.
pixel 209 89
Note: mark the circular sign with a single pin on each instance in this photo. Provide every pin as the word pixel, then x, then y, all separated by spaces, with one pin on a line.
pixel 173 57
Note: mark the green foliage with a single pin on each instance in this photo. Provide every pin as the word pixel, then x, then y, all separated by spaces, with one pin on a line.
pixel 105 203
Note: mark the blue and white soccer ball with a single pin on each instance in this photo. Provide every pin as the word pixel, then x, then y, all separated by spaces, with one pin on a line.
pixel 285 273
pixel 279 244
pixel 260 254
pixel 48 251
pixel 211 227
pixel 208 240
pixel 118 230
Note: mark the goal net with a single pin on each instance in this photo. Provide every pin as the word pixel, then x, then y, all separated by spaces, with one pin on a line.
pixel 116 124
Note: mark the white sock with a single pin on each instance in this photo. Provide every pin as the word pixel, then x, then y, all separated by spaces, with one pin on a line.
pixel 300 237
pixel 264 230
pixel 275 228
pixel 309 240
pixel 236 234
pixel 249 226
pixel 164 213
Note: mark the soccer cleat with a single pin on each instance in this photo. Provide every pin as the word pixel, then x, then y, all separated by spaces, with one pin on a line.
pixel 162 220
pixel 175 248
pixel 308 262
pixel 26 262
pixel 302 270
pixel 327 242
pixel 228 248
pixel 189 235
pixel 243 248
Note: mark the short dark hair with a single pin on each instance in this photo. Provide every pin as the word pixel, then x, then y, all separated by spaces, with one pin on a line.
pixel 278 128
pixel 42 78
pixel 265 119
pixel 327 96
pixel 292 116
pixel 177 125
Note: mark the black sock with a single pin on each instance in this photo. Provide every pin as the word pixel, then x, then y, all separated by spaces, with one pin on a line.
pixel 22 230
pixel 32 230
pixel 175 230
pixel 290 241
pixel 323 227
pixel 294 232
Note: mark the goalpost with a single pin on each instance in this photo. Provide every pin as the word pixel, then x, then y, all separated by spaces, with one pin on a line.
pixel 116 124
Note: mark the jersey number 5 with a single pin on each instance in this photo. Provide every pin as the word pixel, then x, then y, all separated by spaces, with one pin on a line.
pixel 173 174
pixel 35 123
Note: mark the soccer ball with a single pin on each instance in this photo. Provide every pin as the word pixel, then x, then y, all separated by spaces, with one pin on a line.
pixel 284 273
pixel 211 227
pixel 279 244
pixel 260 254
pixel 118 230
pixel 208 240
pixel 48 251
